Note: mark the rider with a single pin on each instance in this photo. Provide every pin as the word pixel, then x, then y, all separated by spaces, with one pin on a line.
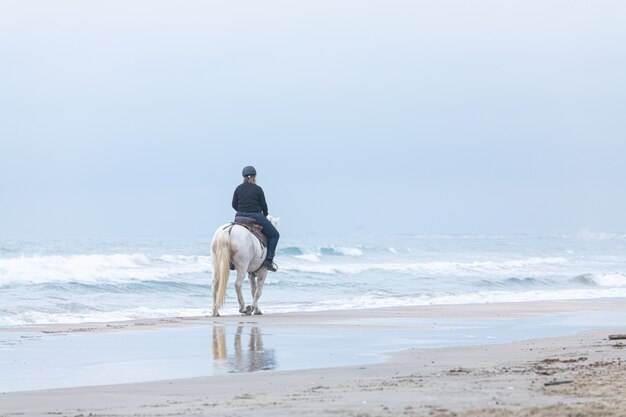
pixel 249 201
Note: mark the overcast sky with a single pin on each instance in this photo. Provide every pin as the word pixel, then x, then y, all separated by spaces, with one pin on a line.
pixel 135 118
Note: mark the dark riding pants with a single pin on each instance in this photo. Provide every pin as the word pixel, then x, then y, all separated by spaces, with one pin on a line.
pixel 268 230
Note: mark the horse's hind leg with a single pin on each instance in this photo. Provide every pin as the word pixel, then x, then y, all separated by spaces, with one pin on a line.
pixel 252 279
pixel 238 284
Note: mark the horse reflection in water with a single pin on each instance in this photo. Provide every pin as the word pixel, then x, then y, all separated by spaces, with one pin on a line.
pixel 254 358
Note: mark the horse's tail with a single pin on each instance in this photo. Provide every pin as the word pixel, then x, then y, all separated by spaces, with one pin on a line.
pixel 221 266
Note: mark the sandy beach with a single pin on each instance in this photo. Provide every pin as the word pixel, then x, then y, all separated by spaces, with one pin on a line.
pixel 566 373
pixel 438 188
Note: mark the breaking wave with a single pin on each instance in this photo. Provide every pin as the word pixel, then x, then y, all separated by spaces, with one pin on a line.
pixel 602 280
pixel 428 268
pixel 98 268
pixel 92 280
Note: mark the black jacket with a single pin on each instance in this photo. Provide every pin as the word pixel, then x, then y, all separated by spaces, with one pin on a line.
pixel 249 197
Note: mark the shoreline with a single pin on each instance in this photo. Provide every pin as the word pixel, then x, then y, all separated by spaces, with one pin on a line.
pixel 330 317
pixel 548 376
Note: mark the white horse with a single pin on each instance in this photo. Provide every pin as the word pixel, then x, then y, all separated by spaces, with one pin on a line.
pixel 238 246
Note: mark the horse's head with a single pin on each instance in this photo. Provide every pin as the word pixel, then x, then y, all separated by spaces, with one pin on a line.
pixel 274 220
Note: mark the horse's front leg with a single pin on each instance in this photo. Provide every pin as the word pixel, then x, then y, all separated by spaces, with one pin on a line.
pixel 238 284
pixel 259 290
pixel 252 279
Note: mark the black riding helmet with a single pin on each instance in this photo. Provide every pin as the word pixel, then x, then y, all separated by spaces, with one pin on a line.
pixel 248 171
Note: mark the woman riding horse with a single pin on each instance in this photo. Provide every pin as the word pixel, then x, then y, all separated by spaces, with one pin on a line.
pixel 249 201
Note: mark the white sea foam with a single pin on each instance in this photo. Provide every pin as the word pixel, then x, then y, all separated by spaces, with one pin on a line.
pixel 482 297
pixel 349 251
pixel 369 300
pixel 611 280
pixel 38 317
pixel 603 280
pixel 98 268
pixel 428 268
pixel 130 267
pixel 341 250
pixel 311 257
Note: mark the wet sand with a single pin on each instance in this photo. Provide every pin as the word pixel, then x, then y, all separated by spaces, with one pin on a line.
pixel 578 374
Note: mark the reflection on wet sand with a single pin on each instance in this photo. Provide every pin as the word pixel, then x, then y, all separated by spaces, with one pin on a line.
pixel 219 343
pixel 254 358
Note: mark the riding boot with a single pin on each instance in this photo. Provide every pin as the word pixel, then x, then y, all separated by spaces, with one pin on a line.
pixel 270 265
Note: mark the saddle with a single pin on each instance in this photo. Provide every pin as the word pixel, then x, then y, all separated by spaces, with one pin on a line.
pixel 254 228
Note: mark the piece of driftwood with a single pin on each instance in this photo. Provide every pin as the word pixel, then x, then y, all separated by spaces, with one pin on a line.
pixel 551 383
pixel 617 336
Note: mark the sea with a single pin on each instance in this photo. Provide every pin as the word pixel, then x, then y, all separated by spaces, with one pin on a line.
pixel 46 281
